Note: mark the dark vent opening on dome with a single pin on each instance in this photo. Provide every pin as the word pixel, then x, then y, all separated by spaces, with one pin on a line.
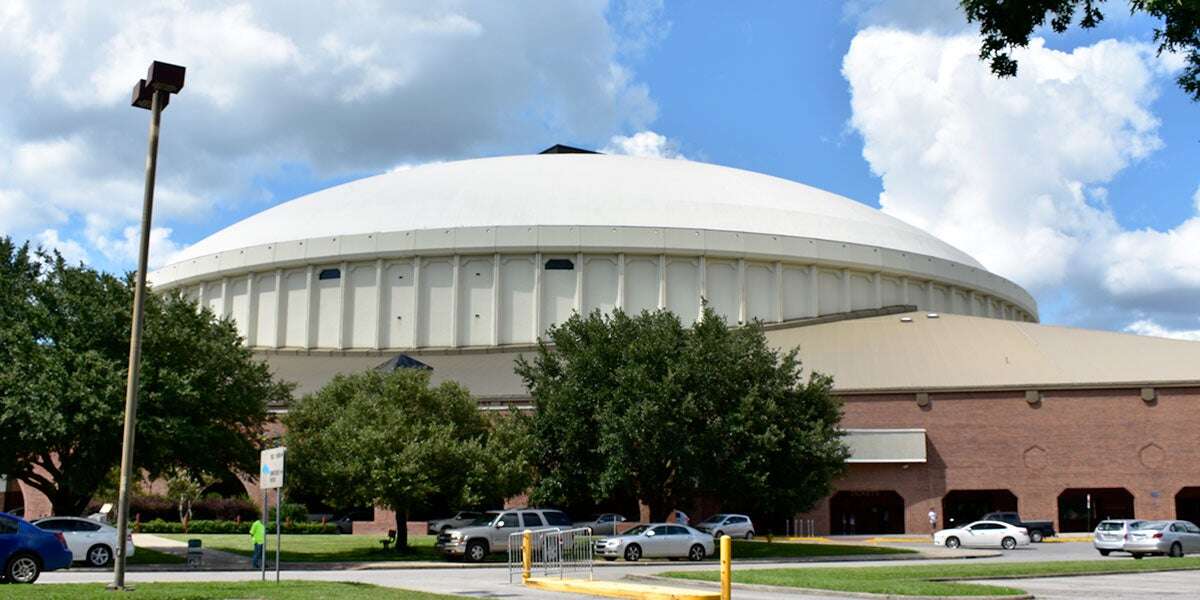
pixel 561 149
pixel 560 264
pixel 330 274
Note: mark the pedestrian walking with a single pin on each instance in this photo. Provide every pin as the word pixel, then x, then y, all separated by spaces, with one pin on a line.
pixel 258 535
pixel 932 520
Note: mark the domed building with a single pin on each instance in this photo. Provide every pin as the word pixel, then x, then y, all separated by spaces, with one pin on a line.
pixel 955 398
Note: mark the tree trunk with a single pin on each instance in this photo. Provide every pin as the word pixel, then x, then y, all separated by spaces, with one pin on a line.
pixel 64 502
pixel 402 530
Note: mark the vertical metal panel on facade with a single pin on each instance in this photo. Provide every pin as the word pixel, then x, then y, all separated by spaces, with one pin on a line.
pixel 683 288
pixel 517 274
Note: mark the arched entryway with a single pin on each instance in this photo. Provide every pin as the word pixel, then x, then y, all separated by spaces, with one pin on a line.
pixel 1079 509
pixel 964 506
pixel 1187 504
pixel 866 512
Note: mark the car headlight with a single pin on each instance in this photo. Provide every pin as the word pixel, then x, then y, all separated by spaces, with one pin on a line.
pixel 455 536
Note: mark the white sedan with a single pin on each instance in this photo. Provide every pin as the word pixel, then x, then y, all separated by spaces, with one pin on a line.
pixel 90 541
pixel 983 534
pixel 656 540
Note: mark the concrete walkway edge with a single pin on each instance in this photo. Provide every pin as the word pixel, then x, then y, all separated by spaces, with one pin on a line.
pixel 787 590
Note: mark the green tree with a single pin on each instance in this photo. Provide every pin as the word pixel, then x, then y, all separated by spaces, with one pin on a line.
pixel 1008 24
pixel 392 440
pixel 64 344
pixel 644 405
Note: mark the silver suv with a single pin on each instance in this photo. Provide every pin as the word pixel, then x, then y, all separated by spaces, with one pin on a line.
pixel 490 532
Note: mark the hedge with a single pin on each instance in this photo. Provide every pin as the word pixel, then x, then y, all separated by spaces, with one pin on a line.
pixel 206 526
pixel 215 509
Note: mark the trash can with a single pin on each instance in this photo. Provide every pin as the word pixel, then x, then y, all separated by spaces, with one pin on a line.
pixel 195 553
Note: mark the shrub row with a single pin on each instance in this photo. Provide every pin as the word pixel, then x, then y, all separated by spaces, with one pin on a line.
pixel 215 509
pixel 206 526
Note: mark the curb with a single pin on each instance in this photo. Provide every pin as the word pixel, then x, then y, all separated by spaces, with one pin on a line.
pixel 416 565
pixel 818 591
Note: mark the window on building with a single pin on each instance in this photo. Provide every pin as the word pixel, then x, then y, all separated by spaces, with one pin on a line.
pixel 330 274
pixel 560 264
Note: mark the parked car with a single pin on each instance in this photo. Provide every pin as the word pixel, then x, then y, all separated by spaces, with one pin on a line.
pixel 461 518
pixel 490 532
pixel 345 521
pixel 26 550
pixel 1172 538
pixel 90 542
pixel 983 534
pixel 602 523
pixel 656 540
pixel 1038 530
pixel 1109 535
pixel 735 526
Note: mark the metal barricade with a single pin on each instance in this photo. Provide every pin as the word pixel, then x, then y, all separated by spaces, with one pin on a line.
pixel 555 552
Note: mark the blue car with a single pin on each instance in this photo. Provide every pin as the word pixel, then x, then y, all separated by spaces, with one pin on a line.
pixel 26 551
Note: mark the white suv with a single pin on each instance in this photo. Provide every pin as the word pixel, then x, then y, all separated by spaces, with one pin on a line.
pixel 489 533
pixel 735 526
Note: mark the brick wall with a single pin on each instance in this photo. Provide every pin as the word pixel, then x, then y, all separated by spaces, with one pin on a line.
pixel 998 440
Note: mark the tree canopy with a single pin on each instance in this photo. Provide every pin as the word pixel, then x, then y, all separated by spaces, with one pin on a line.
pixel 392 440
pixel 642 404
pixel 64 349
pixel 1008 24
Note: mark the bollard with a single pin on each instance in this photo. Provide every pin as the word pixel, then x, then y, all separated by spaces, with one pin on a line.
pixel 526 555
pixel 726 566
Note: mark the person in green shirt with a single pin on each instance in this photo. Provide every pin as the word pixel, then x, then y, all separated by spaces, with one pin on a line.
pixel 258 535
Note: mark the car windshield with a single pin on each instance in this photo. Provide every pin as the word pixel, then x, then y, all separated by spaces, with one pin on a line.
pixel 639 530
pixel 485 519
pixel 1113 526
pixel 714 519
pixel 1151 525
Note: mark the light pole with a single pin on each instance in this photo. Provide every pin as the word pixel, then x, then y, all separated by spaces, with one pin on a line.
pixel 153 93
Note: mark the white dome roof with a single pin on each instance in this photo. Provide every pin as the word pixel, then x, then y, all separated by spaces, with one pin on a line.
pixel 576 190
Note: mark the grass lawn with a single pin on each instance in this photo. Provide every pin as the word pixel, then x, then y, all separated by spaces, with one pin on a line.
pixel 324 548
pixel 744 549
pixel 287 590
pixel 147 556
pixel 934 580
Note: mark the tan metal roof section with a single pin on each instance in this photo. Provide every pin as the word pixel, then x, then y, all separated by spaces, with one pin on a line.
pixel 885 353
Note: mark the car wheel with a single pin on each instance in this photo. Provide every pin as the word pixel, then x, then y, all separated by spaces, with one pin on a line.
pixel 476 551
pixel 1137 555
pixel 633 552
pixel 99 555
pixel 444 529
pixel 952 542
pixel 23 568
pixel 1104 552
pixel 749 535
pixel 1176 551
pixel 718 534
pixel 1035 537
pixel 696 553
pixel 1008 543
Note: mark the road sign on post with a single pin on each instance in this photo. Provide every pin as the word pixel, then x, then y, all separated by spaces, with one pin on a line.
pixel 270 477
pixel 271 470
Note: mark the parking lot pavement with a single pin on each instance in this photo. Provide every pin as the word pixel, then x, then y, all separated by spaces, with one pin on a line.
pixel 1179 584
pixel 493 582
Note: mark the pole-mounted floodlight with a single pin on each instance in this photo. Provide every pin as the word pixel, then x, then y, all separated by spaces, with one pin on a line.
pixel 152 93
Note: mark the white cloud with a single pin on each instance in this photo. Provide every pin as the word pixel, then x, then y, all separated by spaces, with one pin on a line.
pixel 644 143
pixel 337 88
pixel 1147 327
pixel 1014 171
pixel 125 248
pixel 71 250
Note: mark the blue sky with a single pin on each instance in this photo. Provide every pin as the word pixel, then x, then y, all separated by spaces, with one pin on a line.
pixel 1078 180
